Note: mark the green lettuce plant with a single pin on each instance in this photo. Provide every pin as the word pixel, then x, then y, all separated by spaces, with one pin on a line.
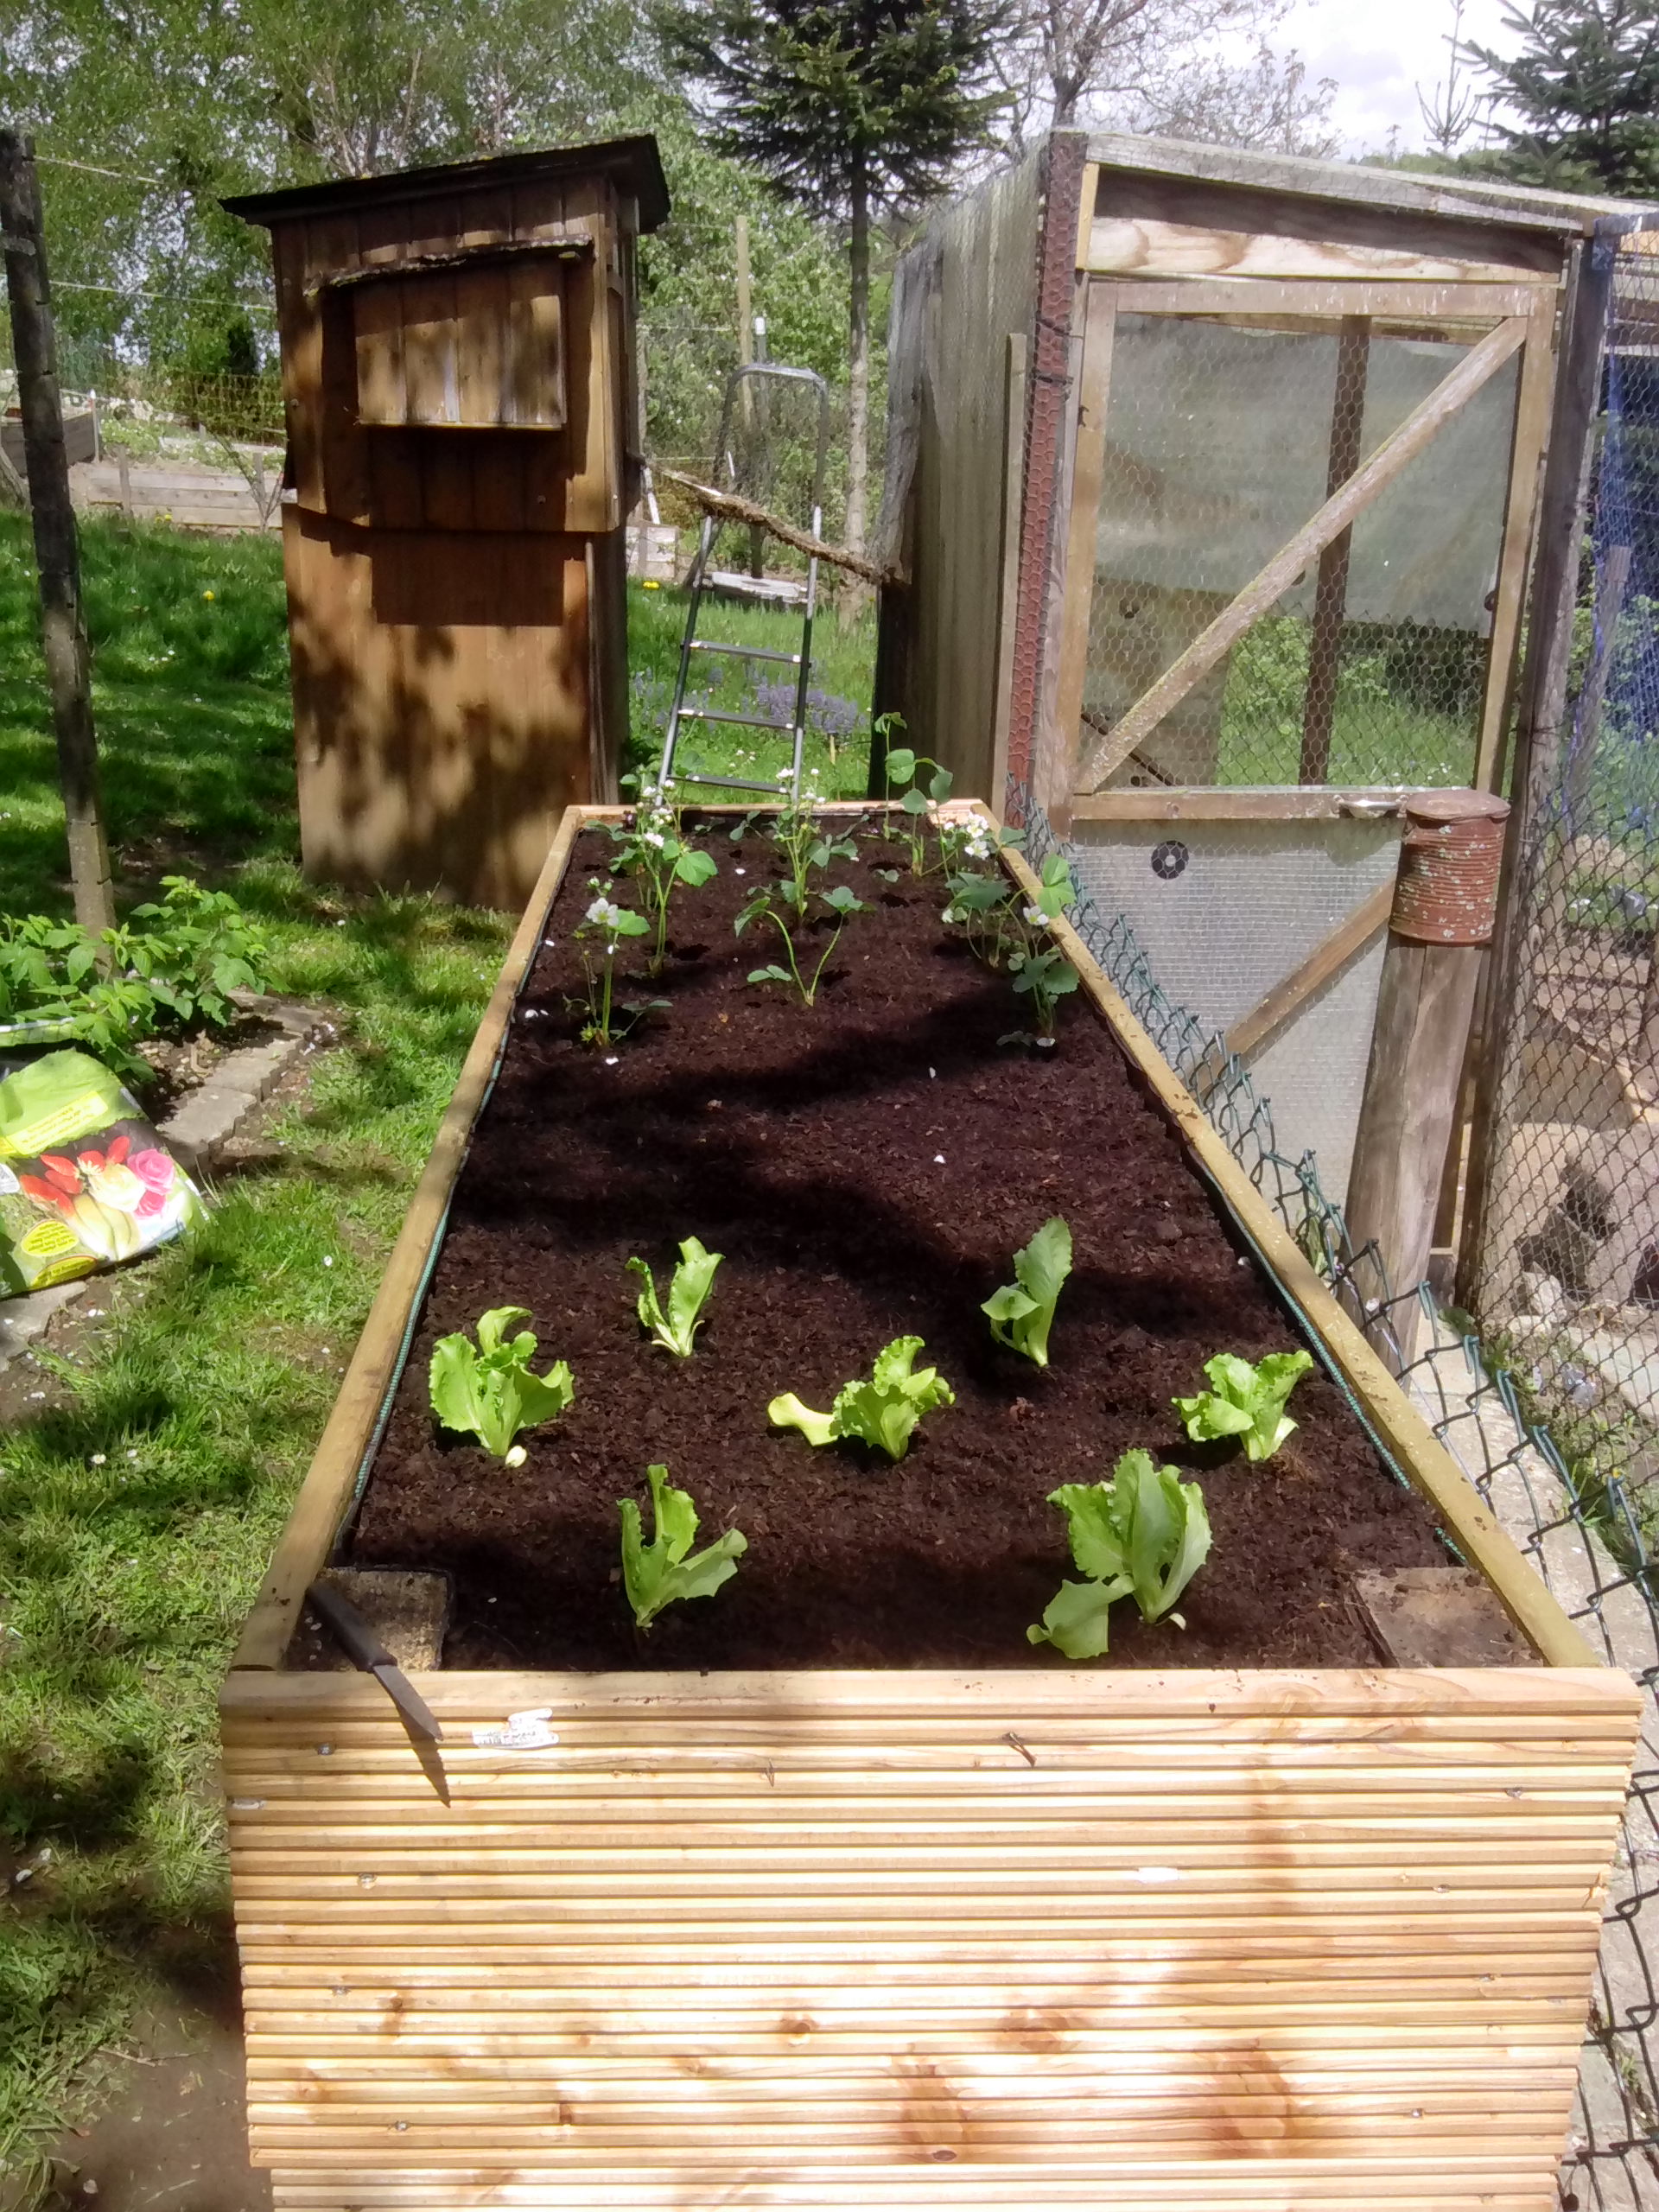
pixel 1143 1534
pixel 487 1390
pixel 688 1293
pixel 881 1411
pixel 1022 1312
pixel 1245 1401
pixel 663 1571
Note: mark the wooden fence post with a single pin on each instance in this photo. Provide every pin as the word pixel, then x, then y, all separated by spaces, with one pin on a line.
pixel 68 671
pixel 1445 905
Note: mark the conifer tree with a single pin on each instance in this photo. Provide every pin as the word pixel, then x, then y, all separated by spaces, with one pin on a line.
pixel 851 108
pixel 1586 86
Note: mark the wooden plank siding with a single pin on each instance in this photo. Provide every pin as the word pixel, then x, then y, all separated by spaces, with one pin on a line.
pixel 1036 1938
pixel 442 696
pixel 807 1939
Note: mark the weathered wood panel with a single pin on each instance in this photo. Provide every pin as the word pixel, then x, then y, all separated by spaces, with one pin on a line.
pixel 1268 1939
pixel 959 297
pixel 191 499
pixel 441 697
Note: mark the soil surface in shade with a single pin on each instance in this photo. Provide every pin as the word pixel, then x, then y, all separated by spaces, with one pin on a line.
pixel 867 1166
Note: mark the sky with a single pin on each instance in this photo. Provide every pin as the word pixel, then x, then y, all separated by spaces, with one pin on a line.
pixel 1379 54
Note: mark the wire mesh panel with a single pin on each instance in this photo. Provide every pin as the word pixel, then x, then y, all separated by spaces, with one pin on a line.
pixel 1222 439
pixel 1271 892
pixel 1569 1275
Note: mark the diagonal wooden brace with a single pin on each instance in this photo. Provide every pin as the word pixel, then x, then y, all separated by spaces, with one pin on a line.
pixel 1396 453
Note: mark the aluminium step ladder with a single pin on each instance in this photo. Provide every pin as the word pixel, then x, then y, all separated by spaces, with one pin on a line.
pixel 745 398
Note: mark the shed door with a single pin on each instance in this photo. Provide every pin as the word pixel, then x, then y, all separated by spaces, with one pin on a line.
pixel 1299 531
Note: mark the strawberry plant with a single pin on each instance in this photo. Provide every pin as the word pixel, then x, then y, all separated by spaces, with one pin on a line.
pixel 1022 1312
pixel 1245 1401
pixel 487 1390
pixel 665 1571
pixel 838 901
pixel 1040 970
pixel 1143 1534
pixel 808 847
pixel 881 1411
pixel 604 925
pixel 650 845
pixel 901 765
pixel 688 1293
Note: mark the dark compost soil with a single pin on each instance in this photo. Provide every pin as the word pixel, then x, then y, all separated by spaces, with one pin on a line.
pixel 868 1167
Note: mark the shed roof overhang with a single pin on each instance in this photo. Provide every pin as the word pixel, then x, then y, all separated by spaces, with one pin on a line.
pixel 1515 206
pixel 633 164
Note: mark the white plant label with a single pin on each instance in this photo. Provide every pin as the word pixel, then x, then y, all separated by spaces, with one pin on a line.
pixel 521 1731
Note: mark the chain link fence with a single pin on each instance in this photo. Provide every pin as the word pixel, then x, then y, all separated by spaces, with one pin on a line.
pixel 1583 1535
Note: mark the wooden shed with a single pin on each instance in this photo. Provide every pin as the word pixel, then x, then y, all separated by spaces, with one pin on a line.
pixel 459 375
pixel 1216 476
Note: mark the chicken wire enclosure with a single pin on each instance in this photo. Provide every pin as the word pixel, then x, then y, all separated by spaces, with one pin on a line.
pixel 1566 1272
pixel 1220 442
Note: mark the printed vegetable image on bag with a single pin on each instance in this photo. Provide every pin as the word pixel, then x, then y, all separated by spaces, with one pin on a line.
pixel 85 1180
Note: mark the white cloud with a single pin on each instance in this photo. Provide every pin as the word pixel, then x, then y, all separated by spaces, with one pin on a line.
pixel 1380 56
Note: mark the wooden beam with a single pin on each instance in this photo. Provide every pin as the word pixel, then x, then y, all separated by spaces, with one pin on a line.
pixel 1087 473
pixel 1331 954
pixel 1014 481
pixel 1330 595
pixel 1482 303
pixel 1146 246
pixel 1395 454
pixel 735 509
pixel 1087 198
pixel 1425 1001
pixel 1532 405
pixel 1241 803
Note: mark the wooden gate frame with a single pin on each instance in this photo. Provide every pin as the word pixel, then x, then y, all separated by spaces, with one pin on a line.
pixel 1504 318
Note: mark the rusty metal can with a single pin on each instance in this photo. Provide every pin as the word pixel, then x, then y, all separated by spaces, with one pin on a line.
pixel 1446 890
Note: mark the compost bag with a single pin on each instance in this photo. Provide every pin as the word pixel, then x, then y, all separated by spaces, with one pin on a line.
pixel 85 1180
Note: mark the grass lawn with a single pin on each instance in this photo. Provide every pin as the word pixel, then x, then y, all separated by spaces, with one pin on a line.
pixel 140 1497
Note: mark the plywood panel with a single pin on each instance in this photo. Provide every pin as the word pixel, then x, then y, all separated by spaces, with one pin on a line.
pixel 786 1927
pixel 440 688
pixel 1150 246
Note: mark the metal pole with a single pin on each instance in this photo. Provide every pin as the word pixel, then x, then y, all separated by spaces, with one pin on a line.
pixel 68 670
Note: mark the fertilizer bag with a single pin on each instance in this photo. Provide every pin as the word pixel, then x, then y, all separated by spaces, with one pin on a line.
pixel 85 1180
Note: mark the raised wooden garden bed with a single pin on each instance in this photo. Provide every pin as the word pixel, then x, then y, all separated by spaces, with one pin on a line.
pixel 834 1892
